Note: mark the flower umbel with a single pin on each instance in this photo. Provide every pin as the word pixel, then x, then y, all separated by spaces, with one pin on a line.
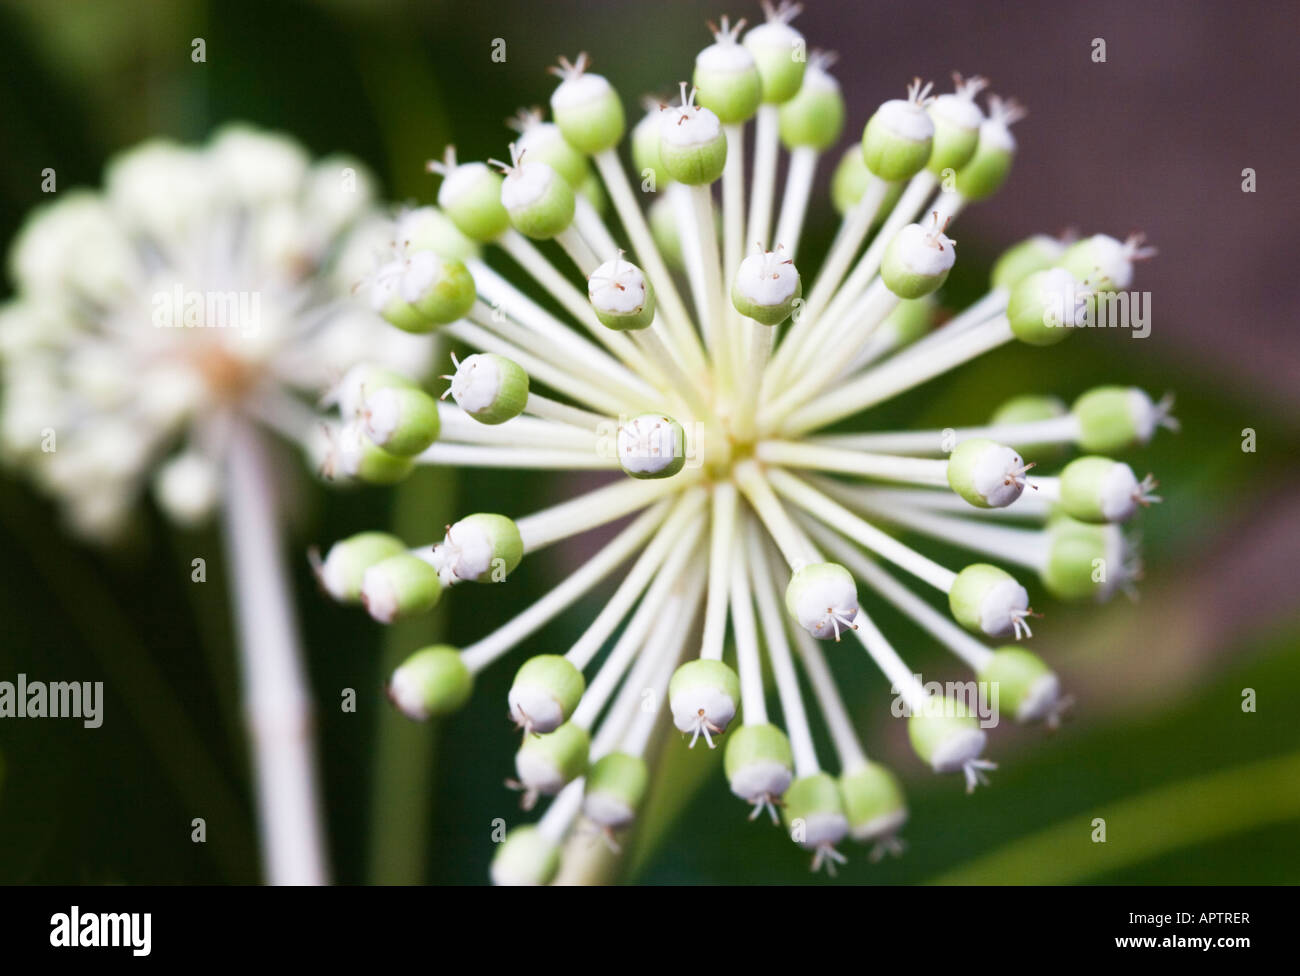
pixel 739 437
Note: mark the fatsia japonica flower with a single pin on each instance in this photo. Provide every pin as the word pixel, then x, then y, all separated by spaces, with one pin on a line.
pixel 164 331
pixel 731 404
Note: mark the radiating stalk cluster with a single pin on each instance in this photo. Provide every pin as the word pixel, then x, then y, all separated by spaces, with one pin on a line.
pixel 762 505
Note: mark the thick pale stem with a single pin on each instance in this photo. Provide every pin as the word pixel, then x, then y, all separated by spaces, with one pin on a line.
pixel 1054 430
pixel 560 345
pixel 939 625
pixel 900 676
pixel 570 385
pixel 778 653
pixel 595 508
pixel 794 202
pixel 1025 547
pixel 752 699
pixel 548 409
pixel 651 622
pixel 579 252
pixel 483 652
pixel 677 533
pixel 894 377
pixel 629 212
pixel 766 143
pixel 561 814
pixel 856 224
pixel 820 506
pixel 523 431
pixel 873 498
pixel 733 201
pixel 682 611
pixel 277 702
pixel 442 454
pixel 794 545
pixel 593 229
pixel 919 471
pixel 834 713
pixel 904 213
pixel 715 312
pixel 989 307
pixel 722 532
pixel 528 257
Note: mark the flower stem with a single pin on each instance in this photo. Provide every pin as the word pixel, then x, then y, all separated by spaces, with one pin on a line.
pixel 679 323
pixel 277 703
pixel 766 130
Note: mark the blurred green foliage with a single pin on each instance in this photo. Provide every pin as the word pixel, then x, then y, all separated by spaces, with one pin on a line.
pixel 1193 789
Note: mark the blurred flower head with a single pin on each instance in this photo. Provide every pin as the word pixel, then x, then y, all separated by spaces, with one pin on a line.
pixel 202 281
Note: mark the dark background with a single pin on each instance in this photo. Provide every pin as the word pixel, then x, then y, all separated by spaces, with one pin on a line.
pixel 1155 139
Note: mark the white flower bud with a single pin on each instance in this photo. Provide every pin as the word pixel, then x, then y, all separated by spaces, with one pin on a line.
pixel 823 599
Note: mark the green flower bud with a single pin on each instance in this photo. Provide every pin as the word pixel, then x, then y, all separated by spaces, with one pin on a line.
pixel 727 77
pixel 823 599
pixel 985 473
pixel 815 116
pixel 917 261
pixel 480 548
pixel 356 456
pixel 703 696
pixel 429 229
pixel 898 138
pixel 692 145
pixel 621 295
pixel 471 196
pixel 949 739
pixel 1084 561
pixel 418 291
pixel 431 682
pixel 1105 263
pixel 873 802
pixel 1097 489
pixel 984 175
pixel 400 586
pixel 988 600
pixel 1027 687
pixel 1019 261
pixel 780 54
pixel 539 201
pixel 490 388
pixel 1116 418
pixel 545 692
pixel 651 445
pixel 402 420
pixel 616 785
pixel 344 567
pixel 814 812
pixel 909 321
pixel 543 142
pixel 957 120
pixel 525 857
pixel 1045 306
pixel 766 287
pixel 586 108
pixel 362 380
pixel 545 764
pixel 759 764
pixel 645 149
pixel 1028 408
pixel 448 290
